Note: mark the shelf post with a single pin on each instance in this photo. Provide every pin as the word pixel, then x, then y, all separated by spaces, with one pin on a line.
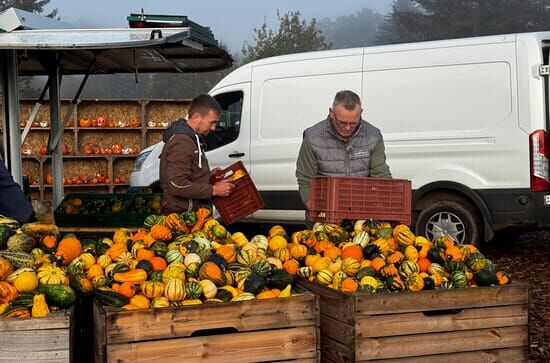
pixel 11 134
pixel 56 127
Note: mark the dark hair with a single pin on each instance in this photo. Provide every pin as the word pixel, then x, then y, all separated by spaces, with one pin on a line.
pixel 348 99
pixel 203 104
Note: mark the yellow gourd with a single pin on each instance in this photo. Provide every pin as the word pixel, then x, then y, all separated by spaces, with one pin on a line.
pixel 39 306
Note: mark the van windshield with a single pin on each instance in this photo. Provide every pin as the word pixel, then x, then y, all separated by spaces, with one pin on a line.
pixel 228 127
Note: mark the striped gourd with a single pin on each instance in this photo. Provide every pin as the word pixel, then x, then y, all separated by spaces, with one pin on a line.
pixel 174 256
pixel 362 238
pixel 246 256
pixel 174 290
pixel 18 259
pixel 20 242
pixel 324 277
pixel 408 267
pixel 351 266
pixel 193 290
pixel 305 272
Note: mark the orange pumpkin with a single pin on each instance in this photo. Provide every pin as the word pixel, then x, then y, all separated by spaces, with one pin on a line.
pixel 68 248
pixel 349 285
pixel 423 264
pixel 298 251
pixel 8 292
pixel 291 266
pixel 159 263
pixel 145 254
pixel 127 289
pixel 160 232
pixel 6 268
pixel 116 250
pixel 85 122
pixel 139 235
pixel 352 251
pixel 228 253
pixel 332 252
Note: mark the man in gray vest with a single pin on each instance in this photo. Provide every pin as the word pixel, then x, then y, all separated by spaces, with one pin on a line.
pixel 342 144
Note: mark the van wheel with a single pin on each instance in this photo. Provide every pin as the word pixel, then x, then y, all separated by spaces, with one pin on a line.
pixel 452 219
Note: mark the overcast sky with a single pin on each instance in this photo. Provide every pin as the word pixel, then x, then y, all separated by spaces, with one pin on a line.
pixel 231 21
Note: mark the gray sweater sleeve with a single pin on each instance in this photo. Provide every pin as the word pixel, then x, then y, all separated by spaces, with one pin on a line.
pixel 306 168
pixel 378 166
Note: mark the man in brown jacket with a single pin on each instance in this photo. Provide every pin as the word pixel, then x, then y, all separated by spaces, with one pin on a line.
pixel 184 171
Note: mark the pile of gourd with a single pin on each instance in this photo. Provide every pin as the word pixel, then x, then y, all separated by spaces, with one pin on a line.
pixel 175 260
pixel 31 283
pixel 181 260
pixel 378 257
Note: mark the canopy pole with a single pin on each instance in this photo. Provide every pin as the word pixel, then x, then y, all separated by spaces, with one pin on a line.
pixel 34 112
pixel 11 134
pixel 55 128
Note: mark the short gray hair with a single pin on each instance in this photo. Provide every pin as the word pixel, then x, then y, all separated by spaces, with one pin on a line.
pixel 349 99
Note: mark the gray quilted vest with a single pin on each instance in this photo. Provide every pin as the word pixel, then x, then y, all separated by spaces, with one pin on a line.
pixel 338 157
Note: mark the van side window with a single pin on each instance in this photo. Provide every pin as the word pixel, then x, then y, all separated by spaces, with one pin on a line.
pixel 227 129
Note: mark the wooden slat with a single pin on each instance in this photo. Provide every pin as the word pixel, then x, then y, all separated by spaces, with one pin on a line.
pixel 418 323
pixel 52 356
pixel 99 333
pixel 34 341
pixel 269 345
pixel 334 303
pixel 57 320
pixel 339 331
pixel 151 324
pixel 374 304
pixel 512 355
pixel 439 343
pixel 333 351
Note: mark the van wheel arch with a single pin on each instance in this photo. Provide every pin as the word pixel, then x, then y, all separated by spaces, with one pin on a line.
pixel 455 206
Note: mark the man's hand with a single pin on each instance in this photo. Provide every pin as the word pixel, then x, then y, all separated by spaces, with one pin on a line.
pixel 222 188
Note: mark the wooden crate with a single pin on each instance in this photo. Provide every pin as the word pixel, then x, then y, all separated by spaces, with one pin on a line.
pixel 484 324
pixel 285 329
pixel 37 340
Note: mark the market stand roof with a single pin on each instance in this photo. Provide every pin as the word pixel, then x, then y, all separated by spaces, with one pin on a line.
pixel 34 45
pixel 190 48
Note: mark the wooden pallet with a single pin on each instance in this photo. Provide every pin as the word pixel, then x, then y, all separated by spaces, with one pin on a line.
pixel 484 324
pixel 37 339
pixel 285 329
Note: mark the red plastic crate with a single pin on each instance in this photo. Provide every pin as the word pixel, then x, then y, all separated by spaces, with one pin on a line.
pixel 336 198
pixel 243 201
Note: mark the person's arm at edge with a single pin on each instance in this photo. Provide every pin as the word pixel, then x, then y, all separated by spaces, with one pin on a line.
pixel 378 166
pixel 306 168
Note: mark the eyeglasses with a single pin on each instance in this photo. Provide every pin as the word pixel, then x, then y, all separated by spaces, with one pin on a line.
pixel 345 125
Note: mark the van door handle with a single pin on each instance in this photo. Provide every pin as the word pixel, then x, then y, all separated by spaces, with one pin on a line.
pixel 236 155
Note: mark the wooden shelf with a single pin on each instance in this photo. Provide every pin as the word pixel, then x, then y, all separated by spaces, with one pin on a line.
pixel 109 129
pixel 75 137
pixel 80 185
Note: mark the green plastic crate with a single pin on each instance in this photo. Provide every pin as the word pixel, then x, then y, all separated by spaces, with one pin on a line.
pixel 134 219
pixel 93 217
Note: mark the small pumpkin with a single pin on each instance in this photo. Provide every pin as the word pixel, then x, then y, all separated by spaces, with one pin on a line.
pixel 8 292
pixel 212 272
pixel 159 232
pixel 6 268
pixel 175 290
pixel 152 289
pixel 26 282
pixel 122 235
pixel 68 249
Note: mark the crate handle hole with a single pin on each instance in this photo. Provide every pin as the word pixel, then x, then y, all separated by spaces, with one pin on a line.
pixel 442 312
pixel 214 331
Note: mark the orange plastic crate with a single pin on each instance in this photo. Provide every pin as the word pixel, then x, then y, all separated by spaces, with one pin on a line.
pixel 243 201
pixel 336 198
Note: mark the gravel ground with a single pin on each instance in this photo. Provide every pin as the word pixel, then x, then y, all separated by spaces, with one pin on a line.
pixel 527 257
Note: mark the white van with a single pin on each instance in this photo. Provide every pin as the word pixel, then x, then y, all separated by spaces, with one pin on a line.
pixel 466 120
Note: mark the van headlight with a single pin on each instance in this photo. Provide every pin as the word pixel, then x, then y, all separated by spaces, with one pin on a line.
pixel 140 160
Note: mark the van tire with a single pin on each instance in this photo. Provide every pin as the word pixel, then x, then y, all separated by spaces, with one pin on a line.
pixel 450 217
